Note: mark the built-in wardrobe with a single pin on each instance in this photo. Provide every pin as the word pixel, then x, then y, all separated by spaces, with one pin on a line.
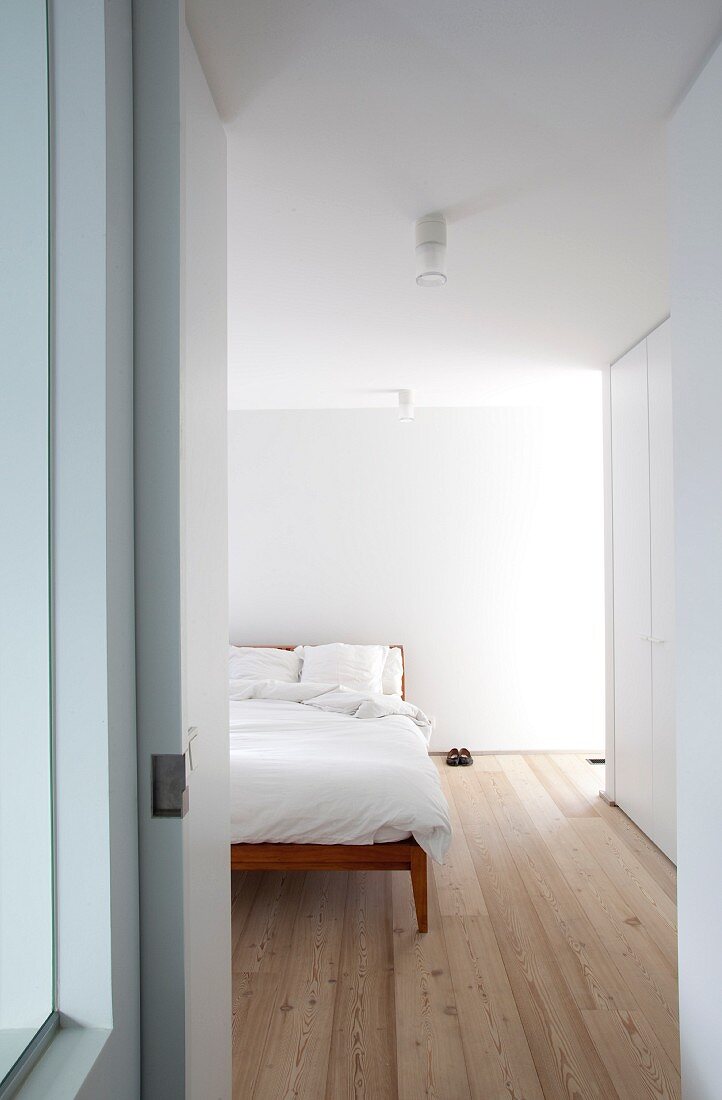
pixel 642 523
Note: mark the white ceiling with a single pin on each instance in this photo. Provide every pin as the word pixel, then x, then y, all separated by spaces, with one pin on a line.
pixel 537 126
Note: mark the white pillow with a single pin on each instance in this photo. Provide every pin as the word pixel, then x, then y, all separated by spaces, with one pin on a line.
pixel 351 666
pixel 248 663
pixel 393 677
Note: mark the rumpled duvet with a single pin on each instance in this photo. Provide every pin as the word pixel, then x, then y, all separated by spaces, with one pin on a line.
pixel 342 700
pixel 317 764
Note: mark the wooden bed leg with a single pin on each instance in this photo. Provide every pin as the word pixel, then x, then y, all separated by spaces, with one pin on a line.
pixel 419 885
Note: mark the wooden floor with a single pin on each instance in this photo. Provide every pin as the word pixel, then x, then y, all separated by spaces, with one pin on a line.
pixel 549 969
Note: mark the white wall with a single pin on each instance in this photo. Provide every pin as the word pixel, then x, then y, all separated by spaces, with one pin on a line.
pixel 696 284
pixel 472 536
pixel 205 583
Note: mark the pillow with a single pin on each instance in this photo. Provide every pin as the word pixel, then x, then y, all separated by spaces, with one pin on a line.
pixel 247 663
pixel 393 676
pixel 352 666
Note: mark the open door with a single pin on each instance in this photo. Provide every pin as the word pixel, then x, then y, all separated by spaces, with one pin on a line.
pixel 181 564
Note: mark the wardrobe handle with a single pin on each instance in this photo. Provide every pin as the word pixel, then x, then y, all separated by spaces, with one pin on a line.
pixel 652 639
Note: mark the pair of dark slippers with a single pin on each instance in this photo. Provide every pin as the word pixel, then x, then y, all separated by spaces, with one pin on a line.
pixel 459 757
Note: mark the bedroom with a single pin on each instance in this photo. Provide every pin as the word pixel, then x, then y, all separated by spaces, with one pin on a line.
pixel 426 465
pixel 376 571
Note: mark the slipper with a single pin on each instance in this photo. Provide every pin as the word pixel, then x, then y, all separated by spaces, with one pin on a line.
pixel 465 758
pixel 452 758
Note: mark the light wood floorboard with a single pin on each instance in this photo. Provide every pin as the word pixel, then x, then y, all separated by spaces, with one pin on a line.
pixel 548 972
pixel 362 1061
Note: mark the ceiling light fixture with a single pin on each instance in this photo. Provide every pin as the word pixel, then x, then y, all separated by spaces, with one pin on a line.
pixel 406 405
pixel 430 234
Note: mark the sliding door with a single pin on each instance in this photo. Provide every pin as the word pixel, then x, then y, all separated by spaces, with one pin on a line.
pixel 181 563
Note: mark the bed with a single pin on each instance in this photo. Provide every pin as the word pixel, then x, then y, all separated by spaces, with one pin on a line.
pixel 315 787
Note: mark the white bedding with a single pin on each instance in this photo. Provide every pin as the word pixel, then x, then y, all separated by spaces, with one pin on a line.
pixel 304 775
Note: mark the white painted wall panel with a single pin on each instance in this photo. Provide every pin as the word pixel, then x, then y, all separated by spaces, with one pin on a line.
pixel 643 580
pixel 696 284
pixel 473 536
pixel 632 592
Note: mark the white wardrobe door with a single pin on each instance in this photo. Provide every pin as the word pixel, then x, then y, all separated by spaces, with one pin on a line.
pixel 664 773
pixel 632 600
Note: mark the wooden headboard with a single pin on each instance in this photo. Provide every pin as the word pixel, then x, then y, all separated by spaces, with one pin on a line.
pixel 292 647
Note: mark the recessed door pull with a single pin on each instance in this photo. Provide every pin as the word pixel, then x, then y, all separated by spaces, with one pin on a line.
pixel 169 784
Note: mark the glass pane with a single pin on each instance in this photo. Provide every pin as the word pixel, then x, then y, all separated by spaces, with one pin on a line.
pixel 26 820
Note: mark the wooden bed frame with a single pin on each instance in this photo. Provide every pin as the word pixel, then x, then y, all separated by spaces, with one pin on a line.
pixel 400 855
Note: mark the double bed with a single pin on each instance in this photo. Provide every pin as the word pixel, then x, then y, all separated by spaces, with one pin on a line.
pixel 325 777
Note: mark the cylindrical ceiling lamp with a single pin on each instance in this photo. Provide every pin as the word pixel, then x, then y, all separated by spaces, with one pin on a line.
pixel 431 250
pixel 406 404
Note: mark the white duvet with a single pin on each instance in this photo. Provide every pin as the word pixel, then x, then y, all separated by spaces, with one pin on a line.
pixel 313 772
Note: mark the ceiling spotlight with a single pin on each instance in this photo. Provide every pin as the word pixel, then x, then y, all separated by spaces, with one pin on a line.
pixel 431 250
pixel 406 404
